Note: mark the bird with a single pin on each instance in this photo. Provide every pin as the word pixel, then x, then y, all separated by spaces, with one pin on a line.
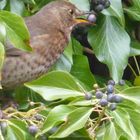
pixel 50 30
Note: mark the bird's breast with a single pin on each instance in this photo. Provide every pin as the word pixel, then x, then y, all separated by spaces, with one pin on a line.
pixel 29 66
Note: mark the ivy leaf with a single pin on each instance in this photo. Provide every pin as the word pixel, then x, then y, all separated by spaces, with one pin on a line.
pixel 132 94
pixel 81 70
pixel 3 4
pixel 56 85
pixel 111 45
pixel 2 54
pixel 17 6
pixel 110 131
pixel 75 121
pixel 122 119
pixel 83 5
pixel 135 48
pixel 116 10
pixel 134 11
pixel 17 130
pixel 16 30
pixel 56 116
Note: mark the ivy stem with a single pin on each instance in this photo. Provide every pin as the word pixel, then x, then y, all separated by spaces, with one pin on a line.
pixel 132 70
pixel 137 65
pixel 99 119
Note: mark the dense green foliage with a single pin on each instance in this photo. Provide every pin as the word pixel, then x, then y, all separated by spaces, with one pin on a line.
pixel 56 103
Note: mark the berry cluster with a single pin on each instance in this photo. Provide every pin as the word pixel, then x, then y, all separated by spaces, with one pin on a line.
pixel 108 98
pixel 99 5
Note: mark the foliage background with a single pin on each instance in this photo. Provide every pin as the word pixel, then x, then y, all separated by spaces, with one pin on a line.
pixel 59 96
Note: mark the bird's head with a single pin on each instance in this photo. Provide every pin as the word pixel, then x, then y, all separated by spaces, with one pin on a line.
pixel 63 15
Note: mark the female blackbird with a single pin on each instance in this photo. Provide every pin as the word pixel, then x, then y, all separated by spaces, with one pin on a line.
pixel 50 31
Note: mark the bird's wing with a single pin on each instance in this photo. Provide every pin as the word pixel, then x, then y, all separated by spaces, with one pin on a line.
pixel 35 42
pixel 12 51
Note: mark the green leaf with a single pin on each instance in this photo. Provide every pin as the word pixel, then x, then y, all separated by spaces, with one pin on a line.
pixel 122 119
pixel 132 94
pixel 134 118
pixel 82 4
pixel 2 4
pixel 2 33
pixel 111 45
pixel 56 116
pixel 137 81
pixel 16 30
pixel 56 85
pixel 17 6
pixel 65 61
pixel 135 48
pixel 110 132
pixel 82 102
pixel 134 11
pixel 81 70
pixel 75 121
pixel 116 10
pixel 76 46
pixel 18 129
pixel 2 54
pixel 1 136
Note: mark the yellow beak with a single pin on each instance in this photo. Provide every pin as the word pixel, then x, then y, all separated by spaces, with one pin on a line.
pixel 81 20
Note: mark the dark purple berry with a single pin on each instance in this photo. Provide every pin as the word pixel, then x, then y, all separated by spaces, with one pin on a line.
pixel 110 88
pixel 92 18
pixel 38 117
pixel 111 82
pixel 112 106
pixel 33 129
pixel 88 96
pixel 121 82
pixel 110 98
pixel 96 1
pixel 43 137
pixel 107 4
pixel 103 2
pixel 117 99
pixel 103 102
pixel 99 94
pixel 99 8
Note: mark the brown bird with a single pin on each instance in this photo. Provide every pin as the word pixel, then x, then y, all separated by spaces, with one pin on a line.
pixel 50 31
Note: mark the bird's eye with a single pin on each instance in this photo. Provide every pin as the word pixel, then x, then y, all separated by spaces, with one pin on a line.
pixel 71 11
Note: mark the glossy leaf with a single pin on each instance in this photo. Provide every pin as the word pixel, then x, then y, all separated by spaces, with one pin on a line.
pixel 16 32
pixel 116 10
pixel 3 4
pixel 135 48
pixel 111 45
pixel 2 55
pixel 2 33
pixel 122 119
pixel 17 6
pixel 56 85
pixel 55 117
pixel 81 70
pixel 132 94
pixel 134 11
pixel 18 128
pixel 110 132
pixel 137 81
pixel 82 4
pixel 75 121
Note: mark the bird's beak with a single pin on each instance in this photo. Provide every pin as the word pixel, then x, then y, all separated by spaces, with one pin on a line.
pixel 82 18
